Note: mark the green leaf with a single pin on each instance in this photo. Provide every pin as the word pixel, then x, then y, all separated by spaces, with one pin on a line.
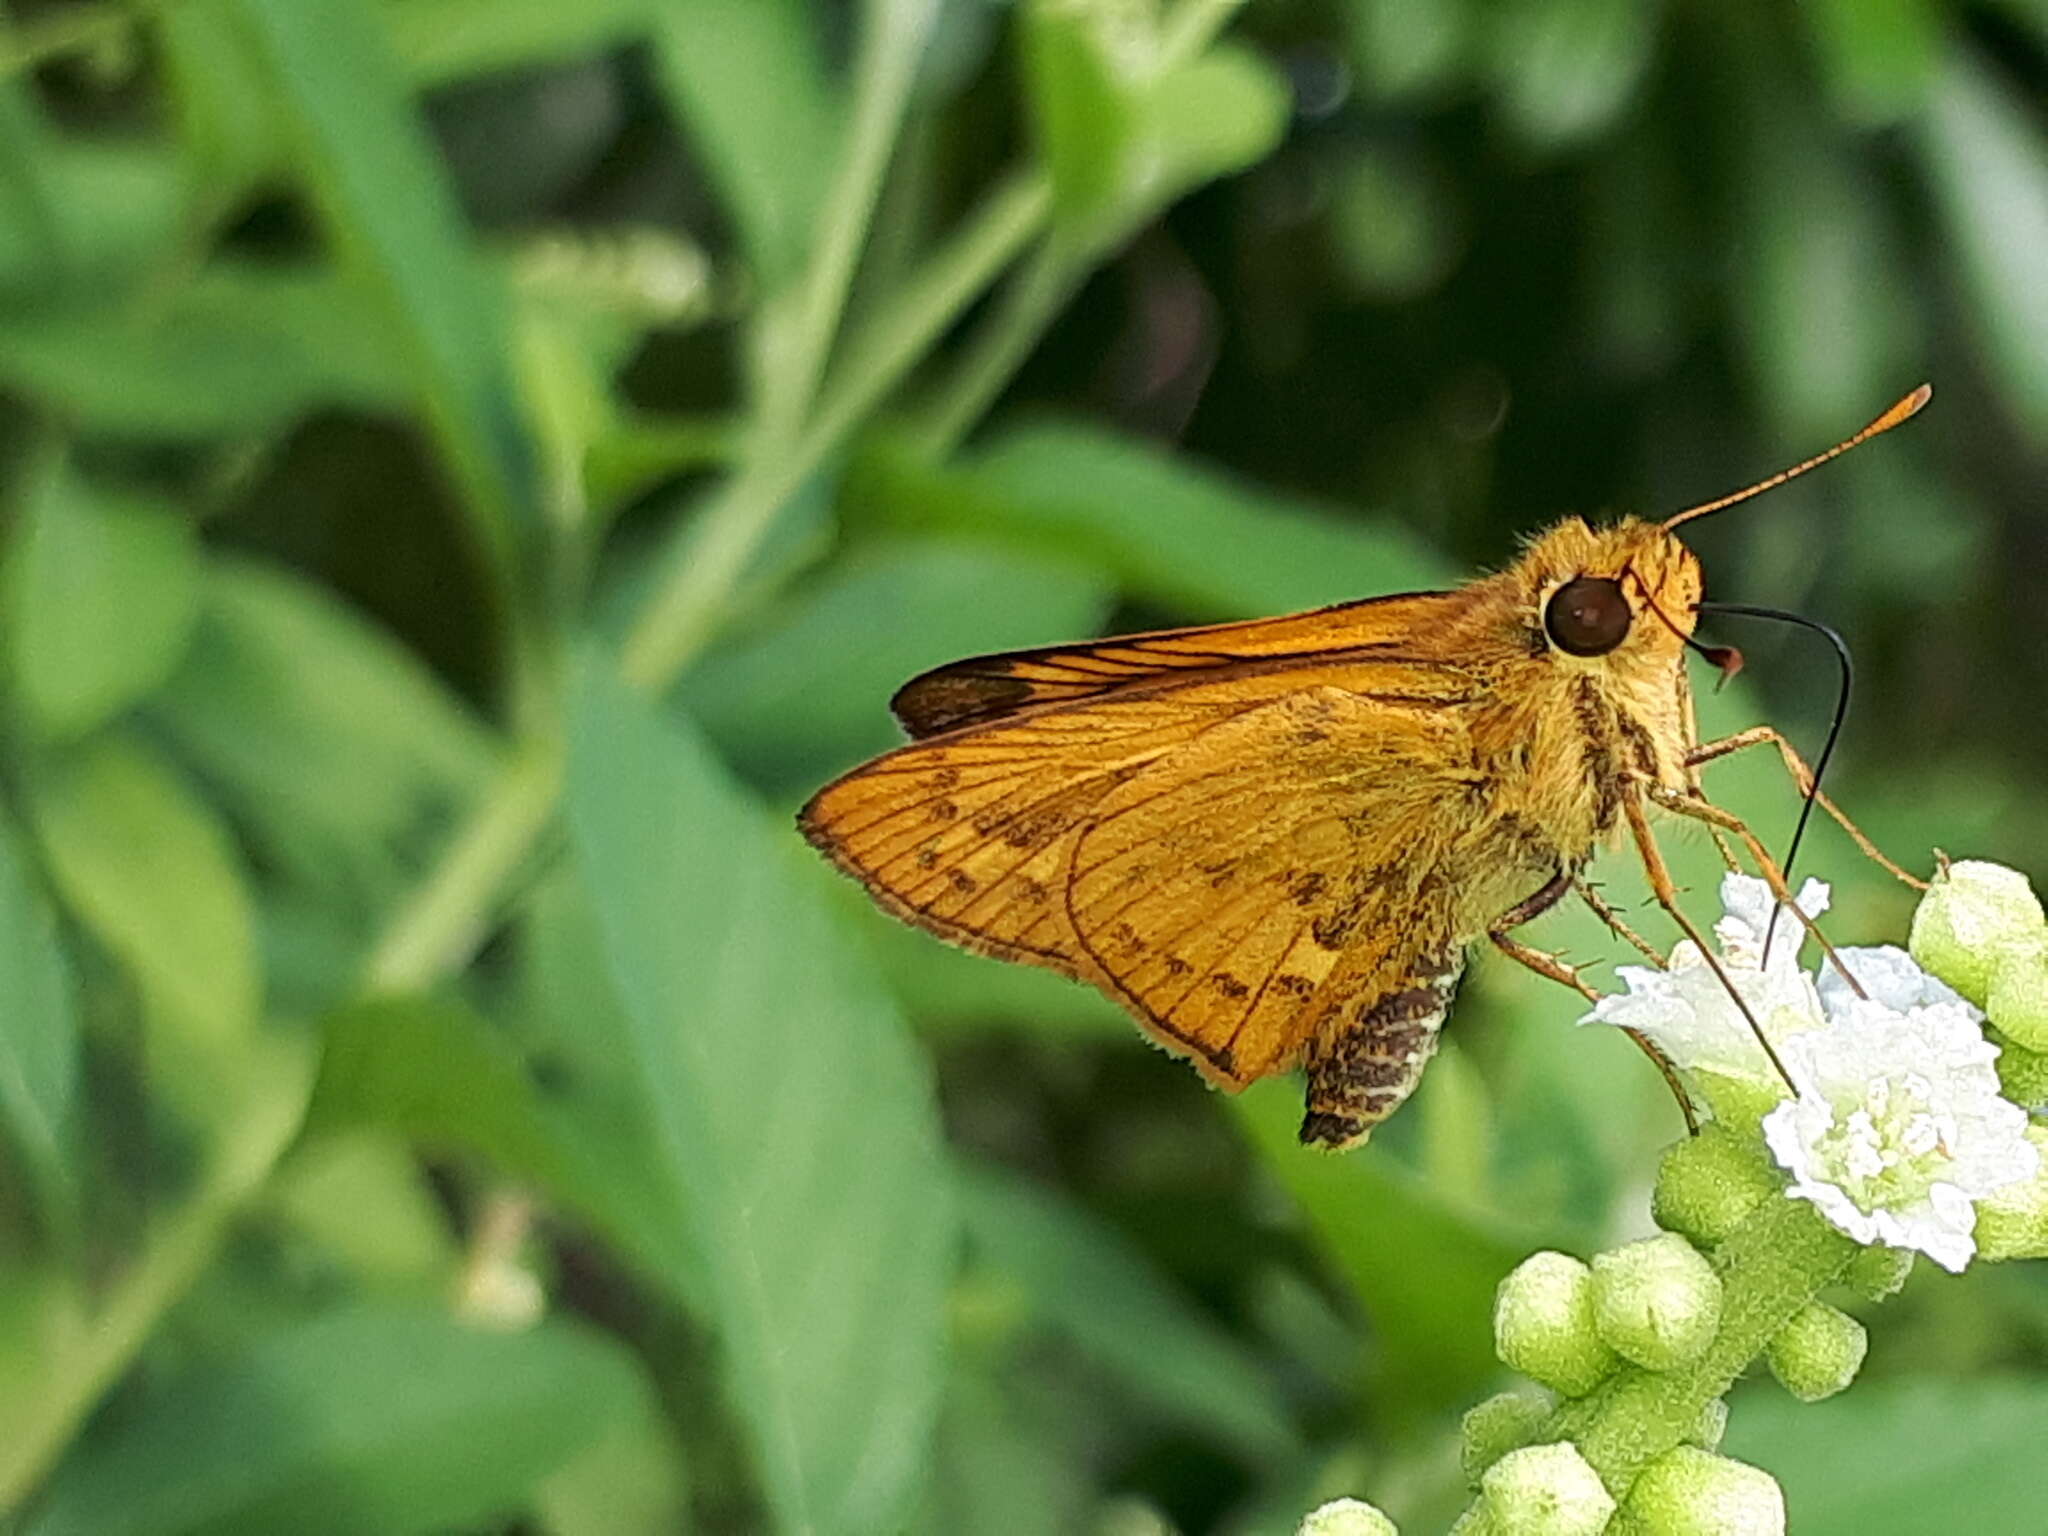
pixel 145 865
pixel 1082 1279
pixel 794 1115
pixel 445 40
pixel 1085 101
pixel 379 1422
pixel 39 1037
pixel 364 154
pixel 1404 48
pixel 1564 70
pixel 1877 57
pixel 1895 1458
pixel 748 81
pixel 102 590
pixel 227 122
pixel 1827 328
pixel 1989 165
pixel 438 1074
pixel 433 1070
pixel 337 750
pixel 802 692
pixel 1184 538
pixel 1423 1271
pixel 1211 117
pixel 237 350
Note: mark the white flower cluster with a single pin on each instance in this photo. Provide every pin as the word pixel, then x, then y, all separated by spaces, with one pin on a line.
pixel 1897 1127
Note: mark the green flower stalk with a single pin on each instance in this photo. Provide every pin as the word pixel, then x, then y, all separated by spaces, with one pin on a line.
pixel 1897 1137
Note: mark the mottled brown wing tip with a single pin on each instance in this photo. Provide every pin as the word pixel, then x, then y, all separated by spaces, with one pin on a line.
pixel 1333 1133
pixel 964 693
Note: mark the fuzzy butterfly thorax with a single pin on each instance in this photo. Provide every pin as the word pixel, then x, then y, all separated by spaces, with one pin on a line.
pixel 1274 841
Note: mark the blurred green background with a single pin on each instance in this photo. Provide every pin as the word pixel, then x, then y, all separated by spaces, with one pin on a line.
pixel 471 467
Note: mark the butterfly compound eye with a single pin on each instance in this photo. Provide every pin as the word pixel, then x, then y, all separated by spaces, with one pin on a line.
pixel 1588 616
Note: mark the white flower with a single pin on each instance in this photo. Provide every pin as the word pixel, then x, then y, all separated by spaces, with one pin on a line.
pixel 1897 1126
pixel 1687 1013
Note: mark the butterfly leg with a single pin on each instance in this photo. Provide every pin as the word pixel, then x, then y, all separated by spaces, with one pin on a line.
pixel 1666 892
pixel 1728 821
pixel 1590 895
pixel 1802 776
pixel 1550 966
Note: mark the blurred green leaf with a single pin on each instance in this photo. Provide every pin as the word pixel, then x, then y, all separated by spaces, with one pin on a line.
pixel 1083 66
pixel 239 349
pixel 102 590
pixel 803 691
pixel 748 80
pixel 364 1201
pixel 1393 232
pixel 630 1482
pixel 435 1072
pixel 445 40
pixel 602 1112
pixel 1423 1272
pixel 795 1116
pixel 1211 117
pixel 227 120
pixel 1563 70
pixel 334 747
pixel 1083 1280
pixel 997 1471
pixel 1822 309
pixel 379 1422
pixel 1877 57
pixel 1185 538
pixel 146 865
pixel 1899 1458
pixel 1989 165
pixel 1402 48
pixel 39 1035
pixel 365 157
pixel 83 217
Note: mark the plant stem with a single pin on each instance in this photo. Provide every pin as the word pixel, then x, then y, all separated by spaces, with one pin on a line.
pixel 892 40
pixel 441 925
pixel 712 554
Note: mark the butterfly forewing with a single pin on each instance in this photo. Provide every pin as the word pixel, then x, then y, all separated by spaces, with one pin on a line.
pixel 1091 838
pixel 983 689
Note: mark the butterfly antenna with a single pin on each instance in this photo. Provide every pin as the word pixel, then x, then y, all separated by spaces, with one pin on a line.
pixel 1827 751
pixel 1904 410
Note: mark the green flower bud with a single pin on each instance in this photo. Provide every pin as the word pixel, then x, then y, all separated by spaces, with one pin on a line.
pixel 1346 1517
pixel 1474 1522
pixel 1876 1273
pixel 1818 1352
pixel 1738 1102
pixel 1712 1425
pixel 1690 1492
pixel 2017 998
pixel 2022 1074
pixel 1657 1302
pixel 1545 1490
pixel 2012 1222
pixel 1974 913
pixel 1708 1183
pixel 1499 1425
pixel 1543 1324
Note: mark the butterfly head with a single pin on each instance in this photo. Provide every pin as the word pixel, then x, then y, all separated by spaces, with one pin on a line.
pixel 1609 598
